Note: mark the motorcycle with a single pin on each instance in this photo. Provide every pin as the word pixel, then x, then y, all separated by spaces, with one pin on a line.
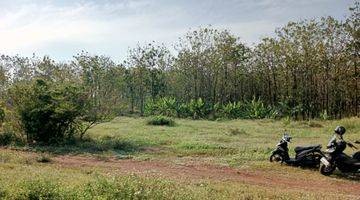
pixel 308 156
pixel 335 157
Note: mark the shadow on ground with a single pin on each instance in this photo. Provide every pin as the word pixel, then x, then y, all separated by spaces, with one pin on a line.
pixel 347 176
pixel 90 146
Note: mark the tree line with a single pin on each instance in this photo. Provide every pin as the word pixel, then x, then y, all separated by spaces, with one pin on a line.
pixel 308 69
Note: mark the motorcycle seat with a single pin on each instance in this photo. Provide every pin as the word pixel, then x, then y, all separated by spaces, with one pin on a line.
pixel 299 149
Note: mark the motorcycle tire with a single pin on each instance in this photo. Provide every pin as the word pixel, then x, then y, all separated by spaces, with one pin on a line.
pixel 276 158
pixel 326 171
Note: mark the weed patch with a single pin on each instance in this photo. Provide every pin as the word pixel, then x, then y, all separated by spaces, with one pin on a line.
pixel 236 131
pixel 43 158
pixel 314 124
pixel 161 121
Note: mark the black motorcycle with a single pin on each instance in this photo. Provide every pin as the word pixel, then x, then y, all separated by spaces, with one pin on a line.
pixel 308 156
pixel 336 158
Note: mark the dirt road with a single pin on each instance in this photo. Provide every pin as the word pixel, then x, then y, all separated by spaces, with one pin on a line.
pixel 213 172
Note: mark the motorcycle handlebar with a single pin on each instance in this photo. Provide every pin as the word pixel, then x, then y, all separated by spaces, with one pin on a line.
pixel 351 145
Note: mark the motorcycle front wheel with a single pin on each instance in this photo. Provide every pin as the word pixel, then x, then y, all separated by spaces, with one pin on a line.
pixel 276 158
pixel 326 170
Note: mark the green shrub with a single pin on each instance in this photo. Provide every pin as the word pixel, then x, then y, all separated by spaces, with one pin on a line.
pixel 235 110
pixel 164 106
pixel 2 116
pixel 160 120
pixel 48 112
pixel 256 109
pixel 167 107
pixel 150 108
pixel 197 108
pixel 183 110
pixel 8 138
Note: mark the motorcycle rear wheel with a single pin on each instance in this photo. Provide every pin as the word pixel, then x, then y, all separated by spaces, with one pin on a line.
pixel 326 170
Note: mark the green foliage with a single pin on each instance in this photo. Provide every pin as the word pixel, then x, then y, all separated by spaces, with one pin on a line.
pixel 324 115
pixel 100 187
pixel 308 69
pixel 257 110
pixel 197 108
pixel 41 189
pixel 2 116
pixel 167 107
pixel 161 120
pixel 48 112
pixel 234 110
pixel 8 138
pixel 183 110
pixel 170 107
pixel 164 106
pixel 286 121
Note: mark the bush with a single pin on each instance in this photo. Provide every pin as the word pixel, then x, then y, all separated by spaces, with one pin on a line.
pixel 48 112
pixel 183 110
pixel 161 121
pixel 197 108
pixel 257 110
pixel 235 110
pixel 150 108
pixel 164 106
pixel 2 116
pixel 7 138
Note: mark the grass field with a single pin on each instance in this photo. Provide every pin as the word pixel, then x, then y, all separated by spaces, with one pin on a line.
pixel 128 159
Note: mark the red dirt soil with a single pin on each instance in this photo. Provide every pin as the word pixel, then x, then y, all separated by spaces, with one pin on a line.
pixel 211 172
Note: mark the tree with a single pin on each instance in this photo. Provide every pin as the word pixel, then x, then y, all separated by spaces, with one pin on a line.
pixel 98 81
pixel 146 77
pixel 352 27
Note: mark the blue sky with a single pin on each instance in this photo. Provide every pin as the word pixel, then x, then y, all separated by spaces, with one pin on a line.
pixel 109 27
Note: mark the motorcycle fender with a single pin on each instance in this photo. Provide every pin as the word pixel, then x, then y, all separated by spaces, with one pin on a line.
pixel 279 150
pixel 325 161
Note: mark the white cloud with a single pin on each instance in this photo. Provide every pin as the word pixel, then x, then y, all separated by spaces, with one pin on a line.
pixel 63 28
